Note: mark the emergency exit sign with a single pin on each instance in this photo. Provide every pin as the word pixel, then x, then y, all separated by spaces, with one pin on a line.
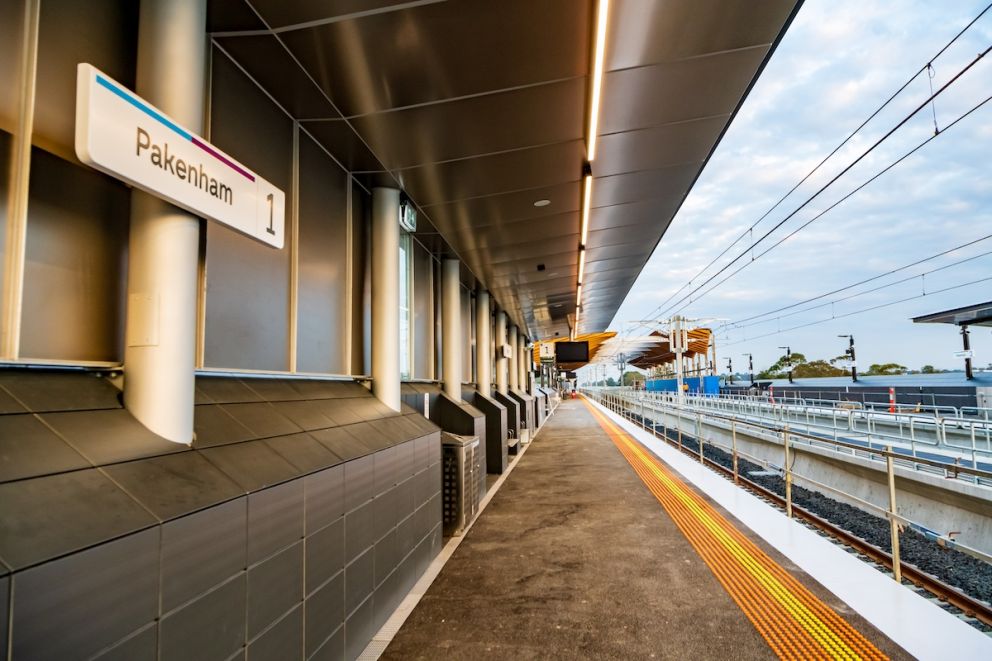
pixel 121 134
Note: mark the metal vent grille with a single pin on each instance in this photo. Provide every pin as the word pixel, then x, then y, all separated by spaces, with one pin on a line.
pixel 461 494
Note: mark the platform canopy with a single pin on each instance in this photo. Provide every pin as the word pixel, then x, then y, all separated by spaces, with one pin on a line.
pixel 479 111
pixel 596 343
pixel 662 354
pixel 979 314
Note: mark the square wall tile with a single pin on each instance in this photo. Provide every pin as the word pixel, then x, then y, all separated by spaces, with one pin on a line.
pixel 210 628
pixel 324 613
pixel 274 586
pixel 324 554
pixel 77 605
pixel 282 641
pixel 324 497
pixel 275 519
pixel 202 550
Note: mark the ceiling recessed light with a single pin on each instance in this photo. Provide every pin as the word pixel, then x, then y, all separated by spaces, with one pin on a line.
pixel 542 203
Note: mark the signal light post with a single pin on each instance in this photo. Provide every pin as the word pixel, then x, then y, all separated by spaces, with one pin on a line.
pixel 850 353
pixel 750 366
pixel 788 361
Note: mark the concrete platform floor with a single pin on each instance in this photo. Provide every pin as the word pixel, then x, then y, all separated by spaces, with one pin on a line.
pixel 575 558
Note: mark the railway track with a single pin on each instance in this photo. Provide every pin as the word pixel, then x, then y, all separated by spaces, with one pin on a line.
pixel 971 610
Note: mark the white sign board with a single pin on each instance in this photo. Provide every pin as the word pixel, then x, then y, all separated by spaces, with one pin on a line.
pixel 546 352
pixel 121 134
pixel 964 354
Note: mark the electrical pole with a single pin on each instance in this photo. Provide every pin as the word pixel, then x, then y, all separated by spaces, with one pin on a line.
pixel 730 371
pixel 967 352
pixel 850 353
pixel 788 361
pixel 750 366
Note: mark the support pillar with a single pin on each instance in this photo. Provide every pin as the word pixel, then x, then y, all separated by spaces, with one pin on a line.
pixel 386 296
pixel 524 363
pixel 164 241
pixel 483 344
pixel 502 364
pixel 514 367
pixel 451 328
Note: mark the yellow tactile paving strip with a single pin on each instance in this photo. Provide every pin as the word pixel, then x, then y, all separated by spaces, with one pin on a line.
pixel 792 620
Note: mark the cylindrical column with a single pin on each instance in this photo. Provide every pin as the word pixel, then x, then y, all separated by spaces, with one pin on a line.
pixel 483 345
pixel 451 328
pixel 524 364
pixel 501 361
pixel 514 367
pixel 386 296
pixel 163 244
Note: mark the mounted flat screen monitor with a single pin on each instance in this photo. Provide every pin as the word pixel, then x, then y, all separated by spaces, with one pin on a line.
pixel 571 352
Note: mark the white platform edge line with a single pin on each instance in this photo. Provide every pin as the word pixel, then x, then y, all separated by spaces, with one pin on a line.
pixel 914 623
pixel 382 638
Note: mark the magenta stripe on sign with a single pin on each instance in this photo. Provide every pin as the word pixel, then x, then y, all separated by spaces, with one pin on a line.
pixel 224 159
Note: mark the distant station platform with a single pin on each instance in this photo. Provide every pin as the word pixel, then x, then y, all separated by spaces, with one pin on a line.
pixel 601 544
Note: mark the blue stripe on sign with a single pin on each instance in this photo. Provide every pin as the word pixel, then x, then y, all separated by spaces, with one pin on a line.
pixel 148 110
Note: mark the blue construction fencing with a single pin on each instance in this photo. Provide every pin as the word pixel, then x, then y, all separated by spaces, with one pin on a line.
pixel 698 385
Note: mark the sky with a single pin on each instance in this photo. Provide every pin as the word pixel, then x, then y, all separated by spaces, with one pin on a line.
pixel 838 62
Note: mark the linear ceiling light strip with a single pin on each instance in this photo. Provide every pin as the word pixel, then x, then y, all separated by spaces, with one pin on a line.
pixel 602 13
pixel 599 58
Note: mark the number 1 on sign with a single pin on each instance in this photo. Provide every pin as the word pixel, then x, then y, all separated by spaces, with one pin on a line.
pixel 270 229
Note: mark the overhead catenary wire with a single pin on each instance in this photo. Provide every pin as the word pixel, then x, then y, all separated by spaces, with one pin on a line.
pixel 862 311
pixel 740 323
pixel 835 178
pixel 835 204
pixel 926 67
pixel 861 293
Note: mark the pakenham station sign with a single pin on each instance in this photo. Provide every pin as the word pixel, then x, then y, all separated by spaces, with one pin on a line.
pixel 123 135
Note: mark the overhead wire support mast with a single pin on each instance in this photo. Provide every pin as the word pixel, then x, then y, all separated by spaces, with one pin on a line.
pixel 675 306
pixel 925 67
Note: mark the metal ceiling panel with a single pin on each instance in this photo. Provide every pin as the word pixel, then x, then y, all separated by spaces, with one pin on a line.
pixel 619 250
pixel 279 13
pixel 628 234
pixel 655 210
pixel 476 125
pixel 705 86
pixel 435 52
pixel 650 31
pixel 341 140
pixel 671 183
pixel 661 146
pixel 272 67
pixel 228 15
pixel 496 173
pixel 600 265
pixel 519 205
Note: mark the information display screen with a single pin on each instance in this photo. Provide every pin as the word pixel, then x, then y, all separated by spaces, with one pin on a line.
pixel 572 352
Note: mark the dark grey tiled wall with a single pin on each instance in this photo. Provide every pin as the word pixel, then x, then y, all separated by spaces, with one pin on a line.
pixel 292 530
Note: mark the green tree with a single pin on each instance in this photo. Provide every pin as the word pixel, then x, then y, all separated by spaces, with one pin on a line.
pixel 816 368
pixel 631 376
pixel 777 369
pixel 611 382
pixel 928 369
pixel 885 369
